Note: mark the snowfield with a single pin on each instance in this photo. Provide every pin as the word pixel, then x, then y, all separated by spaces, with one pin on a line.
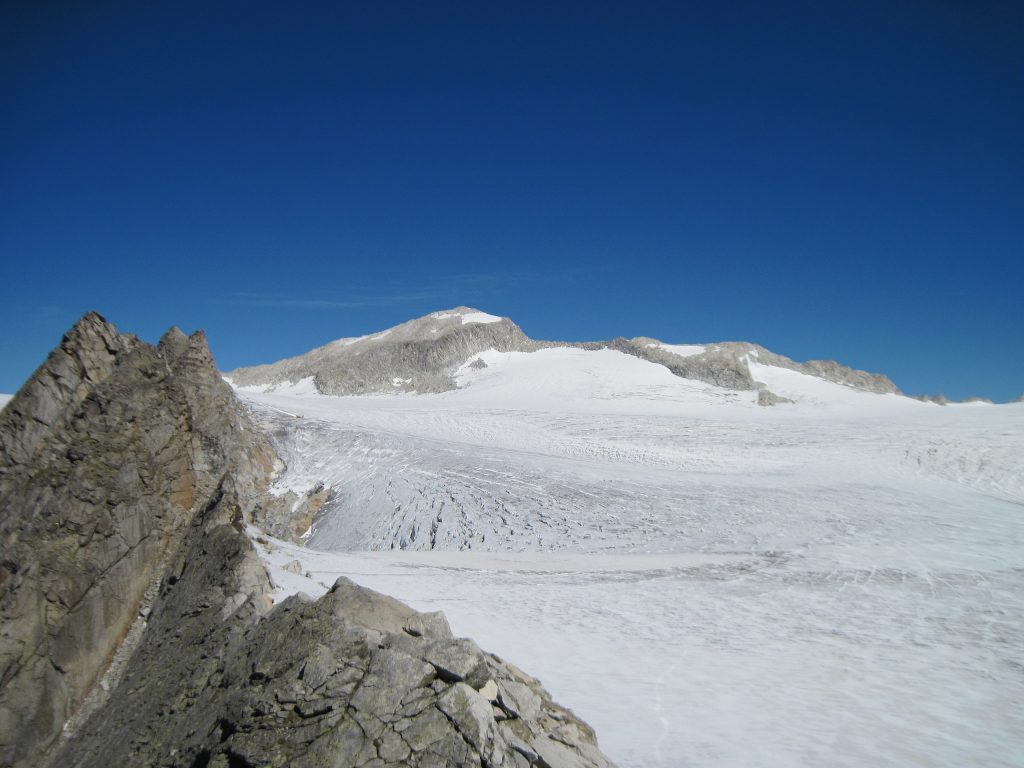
pixel 468 316
pixel 4 399
pixel 708 582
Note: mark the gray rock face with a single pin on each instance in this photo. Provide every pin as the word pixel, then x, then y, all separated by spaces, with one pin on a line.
pixel 127 473
pixel 289 515
pixel 767 398
pixel 722 367
pixel 105 455
pixel 339 681
pixel 418 356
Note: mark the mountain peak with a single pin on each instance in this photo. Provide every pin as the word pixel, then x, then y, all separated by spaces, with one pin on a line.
pixel 420 355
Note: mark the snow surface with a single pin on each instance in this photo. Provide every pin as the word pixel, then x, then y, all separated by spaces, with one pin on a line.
pixel 350 340
pixel 4 399
pixel 479 317
pixel 808 389
pixel 468 317
pixel 707 582
pixel 347 341
pixel 301 387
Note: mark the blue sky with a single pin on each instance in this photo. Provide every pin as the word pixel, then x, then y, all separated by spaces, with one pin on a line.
pixel 826 179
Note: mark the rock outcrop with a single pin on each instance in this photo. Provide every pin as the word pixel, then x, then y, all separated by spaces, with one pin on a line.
pixel 937 399
pixel 106 454
pixel 138 627
pixel 352 679
pixel 721 367
pixel 767 398
pixel 727 364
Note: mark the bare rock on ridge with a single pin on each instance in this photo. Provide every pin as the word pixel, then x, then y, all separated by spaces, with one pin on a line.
pixel 106 453
pixel 339 681
pixel 727 364
pixel 721 367
pixel 418 356
pixel 126 567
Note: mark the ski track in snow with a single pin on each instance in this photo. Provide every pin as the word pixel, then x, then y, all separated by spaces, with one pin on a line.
pixel 708 583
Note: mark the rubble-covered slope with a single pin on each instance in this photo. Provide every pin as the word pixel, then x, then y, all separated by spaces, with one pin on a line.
pixel 137 627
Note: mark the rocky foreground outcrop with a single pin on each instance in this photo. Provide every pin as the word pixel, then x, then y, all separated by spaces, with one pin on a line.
pixel 137 624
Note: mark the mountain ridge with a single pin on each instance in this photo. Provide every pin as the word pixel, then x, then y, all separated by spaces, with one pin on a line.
pixel 422 355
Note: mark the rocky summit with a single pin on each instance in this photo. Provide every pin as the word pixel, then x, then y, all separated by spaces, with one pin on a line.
pixel 137 624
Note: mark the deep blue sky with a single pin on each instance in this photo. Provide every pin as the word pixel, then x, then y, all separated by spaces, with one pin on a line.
pixel 827 179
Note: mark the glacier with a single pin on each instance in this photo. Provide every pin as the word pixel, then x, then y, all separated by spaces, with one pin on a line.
pixel 837 581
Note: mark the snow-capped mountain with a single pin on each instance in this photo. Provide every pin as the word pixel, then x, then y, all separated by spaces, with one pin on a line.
pixel 419 356
pixel 427 355
pixel 707 581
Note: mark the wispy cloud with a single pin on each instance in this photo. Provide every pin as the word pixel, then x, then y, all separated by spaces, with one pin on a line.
pixel 346 302
pixel 460 288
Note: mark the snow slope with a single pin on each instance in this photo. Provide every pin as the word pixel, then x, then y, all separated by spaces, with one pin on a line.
pixel 4 400
pixel 467 316
pixel 708 582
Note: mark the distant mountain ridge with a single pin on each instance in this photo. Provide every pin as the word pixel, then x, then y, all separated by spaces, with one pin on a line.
pixel 423 355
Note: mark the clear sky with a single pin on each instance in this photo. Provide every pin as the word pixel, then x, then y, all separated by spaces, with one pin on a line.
pixel 840 180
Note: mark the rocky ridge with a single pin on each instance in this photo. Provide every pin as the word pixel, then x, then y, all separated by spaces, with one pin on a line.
pixel 138 627
pixel 105 455
pixel 423 355
pixel 418 356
